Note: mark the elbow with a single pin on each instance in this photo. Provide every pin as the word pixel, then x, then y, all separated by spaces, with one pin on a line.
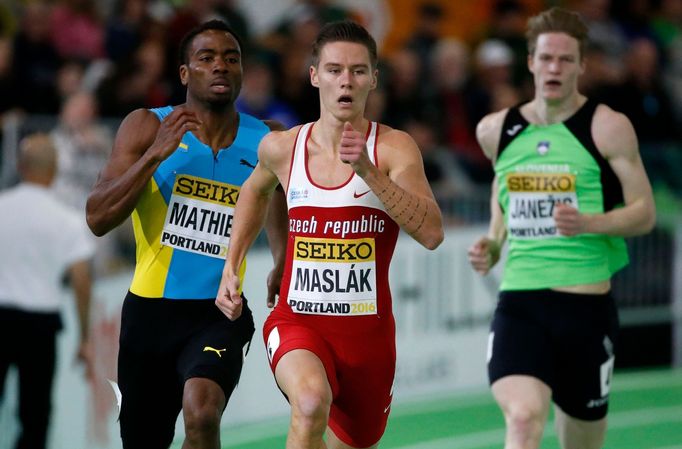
pixel 98 218
pixel 434 239
pixel 650 222
pixel 649 219
pixel 97 222
pixel 95 225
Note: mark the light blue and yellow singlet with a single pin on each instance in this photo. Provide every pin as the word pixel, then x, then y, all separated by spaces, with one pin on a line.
pixel 183 219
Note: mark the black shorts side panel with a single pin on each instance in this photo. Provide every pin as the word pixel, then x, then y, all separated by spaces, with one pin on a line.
pixel 218 352
pixel 565 340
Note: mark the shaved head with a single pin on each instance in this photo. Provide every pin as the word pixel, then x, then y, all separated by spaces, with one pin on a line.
pixel 37 158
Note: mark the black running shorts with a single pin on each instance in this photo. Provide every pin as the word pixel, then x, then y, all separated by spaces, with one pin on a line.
pixel 162 344
pixel 565 340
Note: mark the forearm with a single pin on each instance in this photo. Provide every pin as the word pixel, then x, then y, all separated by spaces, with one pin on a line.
pixel 497 231
pixel 417 215
pixel 277 227
pixel 249 219
pixel 634 219
pixel 112 201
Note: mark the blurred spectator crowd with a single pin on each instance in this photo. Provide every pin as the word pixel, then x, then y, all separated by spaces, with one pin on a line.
pixel 81 60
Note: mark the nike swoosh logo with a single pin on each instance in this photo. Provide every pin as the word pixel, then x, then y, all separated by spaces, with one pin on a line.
pixel 217 351
pixel 358 195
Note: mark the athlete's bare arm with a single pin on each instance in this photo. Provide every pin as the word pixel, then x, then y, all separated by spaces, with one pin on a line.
pixel 399 181
pixel 141 144
pixel 616 140
pixel 488 133
pixel 274 153
pixel 277 231
pixel 485 252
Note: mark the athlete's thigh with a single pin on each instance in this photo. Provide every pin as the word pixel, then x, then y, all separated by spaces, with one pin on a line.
pixel 301 371
pixel 333 442
pixel 217 351
pixel 284 336
pixel 150 386
pixel 574 433
pixel 519 342
pixel 366 371
pixel 521 392
pixel 585 356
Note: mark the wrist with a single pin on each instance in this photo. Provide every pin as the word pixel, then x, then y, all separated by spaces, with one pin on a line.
pixel 153 156
pixel 590 224
pixel 230 271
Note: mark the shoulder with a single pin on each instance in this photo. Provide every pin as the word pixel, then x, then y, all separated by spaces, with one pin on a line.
pixel 277 146
pixel 394 137
pixel 488 132
pixel 281 137
pixel 613 132
pixel 396 148
pixel 137 130
pixel 140 122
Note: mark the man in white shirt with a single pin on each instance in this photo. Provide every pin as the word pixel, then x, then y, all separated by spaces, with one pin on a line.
pixel 41 240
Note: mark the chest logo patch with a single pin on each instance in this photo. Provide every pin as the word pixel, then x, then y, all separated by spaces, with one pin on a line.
pixel 543 147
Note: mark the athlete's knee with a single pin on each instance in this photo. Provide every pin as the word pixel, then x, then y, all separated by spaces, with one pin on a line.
pixel 525 419
pixel 310 404
pixel 202 413
pixel 201 421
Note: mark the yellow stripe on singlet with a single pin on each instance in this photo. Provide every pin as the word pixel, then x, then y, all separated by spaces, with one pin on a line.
pixel 153 259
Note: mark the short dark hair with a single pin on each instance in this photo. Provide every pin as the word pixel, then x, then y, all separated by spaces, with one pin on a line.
pixel 557 20
pixel 344 31
pixel 217 25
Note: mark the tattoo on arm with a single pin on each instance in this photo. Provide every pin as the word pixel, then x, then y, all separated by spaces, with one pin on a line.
pixel 400 207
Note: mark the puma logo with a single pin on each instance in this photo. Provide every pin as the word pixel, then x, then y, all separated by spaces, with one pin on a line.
pixel 217 351
pixel 514 129
pixel 247 163
pixel 358 195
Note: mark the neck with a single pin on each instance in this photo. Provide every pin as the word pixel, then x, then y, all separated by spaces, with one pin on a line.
pixel 547 113
pixel 218 125
pixel 328 129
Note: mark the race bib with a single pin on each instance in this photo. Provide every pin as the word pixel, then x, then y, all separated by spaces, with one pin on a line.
pixel 532 197
pixel 199 216
pixel 333 277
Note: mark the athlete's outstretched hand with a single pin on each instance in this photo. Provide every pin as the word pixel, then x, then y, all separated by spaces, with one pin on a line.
pixel 568 220
pixel 171 130
pixel 229 301
pixel 484 254
pixel 353 148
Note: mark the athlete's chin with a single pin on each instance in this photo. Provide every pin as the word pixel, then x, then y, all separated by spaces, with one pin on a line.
pixel 553 96
pixel 220 101
pixel 344 114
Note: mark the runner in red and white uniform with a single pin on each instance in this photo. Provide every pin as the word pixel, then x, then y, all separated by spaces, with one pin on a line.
pixel 351 184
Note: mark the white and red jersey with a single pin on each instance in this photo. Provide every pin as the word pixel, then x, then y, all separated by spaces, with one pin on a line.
pixel 341 241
